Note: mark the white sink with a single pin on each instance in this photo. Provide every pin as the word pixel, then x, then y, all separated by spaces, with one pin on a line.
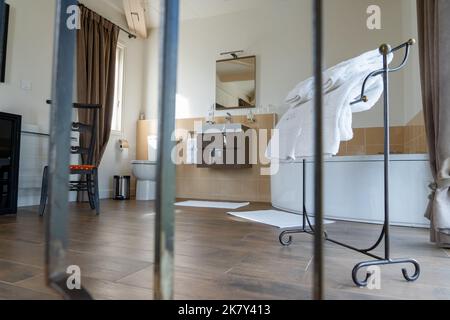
pixel 223 128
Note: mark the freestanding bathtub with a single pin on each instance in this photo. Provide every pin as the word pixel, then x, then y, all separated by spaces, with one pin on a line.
pixel 354 190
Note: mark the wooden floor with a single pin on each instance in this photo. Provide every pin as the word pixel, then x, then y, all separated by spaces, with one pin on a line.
pixel 217 257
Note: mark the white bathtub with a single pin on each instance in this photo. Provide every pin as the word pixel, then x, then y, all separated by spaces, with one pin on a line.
pixel 354 188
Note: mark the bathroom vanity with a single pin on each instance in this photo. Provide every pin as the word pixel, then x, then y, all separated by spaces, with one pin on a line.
pixel 224 146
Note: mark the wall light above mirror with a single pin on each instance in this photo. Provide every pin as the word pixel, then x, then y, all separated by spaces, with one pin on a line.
pixel 236 83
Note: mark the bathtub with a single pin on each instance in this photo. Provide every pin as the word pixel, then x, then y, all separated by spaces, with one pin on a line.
pixel 354 190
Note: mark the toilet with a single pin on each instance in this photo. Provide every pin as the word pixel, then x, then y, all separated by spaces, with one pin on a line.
pixel 145 172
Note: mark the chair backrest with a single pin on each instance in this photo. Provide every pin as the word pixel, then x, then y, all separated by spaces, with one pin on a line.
pixel 87 154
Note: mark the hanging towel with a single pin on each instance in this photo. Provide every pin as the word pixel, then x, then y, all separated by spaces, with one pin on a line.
pixel 335 76
pixel 296 134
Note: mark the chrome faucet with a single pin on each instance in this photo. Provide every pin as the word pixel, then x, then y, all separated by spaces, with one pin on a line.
pixel 229 118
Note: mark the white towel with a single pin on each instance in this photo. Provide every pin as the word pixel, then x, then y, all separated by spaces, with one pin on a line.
pixel 336 76
pixel 337 117
pixel 296 126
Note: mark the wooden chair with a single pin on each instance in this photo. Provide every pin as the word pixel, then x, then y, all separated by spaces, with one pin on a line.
pixel 86 170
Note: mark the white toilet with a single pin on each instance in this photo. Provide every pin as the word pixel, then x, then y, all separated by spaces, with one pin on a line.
pixel 145 172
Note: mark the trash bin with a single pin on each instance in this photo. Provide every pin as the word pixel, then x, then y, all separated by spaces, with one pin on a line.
pixel 122 187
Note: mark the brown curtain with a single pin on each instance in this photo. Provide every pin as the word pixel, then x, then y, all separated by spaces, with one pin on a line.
pixel 434 34
pixel 96 65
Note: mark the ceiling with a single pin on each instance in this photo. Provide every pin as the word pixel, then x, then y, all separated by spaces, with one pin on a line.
pixel 194 9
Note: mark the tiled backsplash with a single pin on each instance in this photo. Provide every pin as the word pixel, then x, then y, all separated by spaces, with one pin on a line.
pixel 404 140
pixel 415 136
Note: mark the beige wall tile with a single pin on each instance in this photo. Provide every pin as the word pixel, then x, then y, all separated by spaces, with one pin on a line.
pixel 397 148
pixel 356 150
pixel 249 189
pixel 264 191
pixel 374 149
pixel 343 149
pixel 397 135
pixel 359 137
pixel 374 136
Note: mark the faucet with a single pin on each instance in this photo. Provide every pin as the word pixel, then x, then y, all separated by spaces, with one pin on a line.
pixel 229 118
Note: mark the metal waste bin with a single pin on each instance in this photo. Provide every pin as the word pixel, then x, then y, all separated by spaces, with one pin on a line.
pixel 122 187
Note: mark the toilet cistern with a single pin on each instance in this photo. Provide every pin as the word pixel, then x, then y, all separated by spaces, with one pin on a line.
pixel 145 172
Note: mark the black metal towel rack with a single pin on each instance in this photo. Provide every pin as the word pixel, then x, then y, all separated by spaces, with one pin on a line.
pixel 286 236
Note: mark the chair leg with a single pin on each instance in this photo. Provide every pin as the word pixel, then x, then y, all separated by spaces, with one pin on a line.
pixel 44 192
pixel 96 192
pixel 90 192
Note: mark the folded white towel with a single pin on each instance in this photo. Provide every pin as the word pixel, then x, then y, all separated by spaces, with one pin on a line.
pixel 296 126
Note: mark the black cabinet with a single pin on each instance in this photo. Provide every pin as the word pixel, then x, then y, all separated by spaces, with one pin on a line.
pixel 10 128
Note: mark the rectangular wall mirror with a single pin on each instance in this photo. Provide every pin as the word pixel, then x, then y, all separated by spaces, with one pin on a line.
pixel 236 83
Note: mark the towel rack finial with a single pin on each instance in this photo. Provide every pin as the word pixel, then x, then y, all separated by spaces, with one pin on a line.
pixel 385 49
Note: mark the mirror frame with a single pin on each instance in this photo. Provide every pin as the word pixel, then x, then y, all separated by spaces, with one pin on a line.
pixel 220 108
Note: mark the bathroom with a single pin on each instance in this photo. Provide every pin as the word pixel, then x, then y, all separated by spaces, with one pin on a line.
pixel 262 48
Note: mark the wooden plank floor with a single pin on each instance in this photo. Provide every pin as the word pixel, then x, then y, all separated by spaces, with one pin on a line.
pixel 217 257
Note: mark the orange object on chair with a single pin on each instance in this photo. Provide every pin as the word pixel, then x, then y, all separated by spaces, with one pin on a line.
pixel 82 167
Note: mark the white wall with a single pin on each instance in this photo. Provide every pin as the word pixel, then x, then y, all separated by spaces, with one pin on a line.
pixel 30 46
pixel 269 32
pixel 281 38
pixel 29 58
pixel 346 35
pixel 412 86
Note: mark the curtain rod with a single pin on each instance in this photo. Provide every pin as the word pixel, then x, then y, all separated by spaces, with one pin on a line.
pixel 130 35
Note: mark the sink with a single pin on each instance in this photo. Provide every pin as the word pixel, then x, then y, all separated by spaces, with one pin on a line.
pixel 223 128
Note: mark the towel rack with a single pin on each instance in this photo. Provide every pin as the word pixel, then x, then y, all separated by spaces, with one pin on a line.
pixel 285 237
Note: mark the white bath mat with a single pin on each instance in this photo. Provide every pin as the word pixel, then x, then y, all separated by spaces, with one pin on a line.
pixel 280 219
pixel 213 204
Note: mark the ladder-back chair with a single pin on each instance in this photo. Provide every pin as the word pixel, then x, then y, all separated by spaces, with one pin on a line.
pixel 87 170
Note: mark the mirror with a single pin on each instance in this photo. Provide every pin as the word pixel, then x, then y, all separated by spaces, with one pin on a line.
pixel 236 83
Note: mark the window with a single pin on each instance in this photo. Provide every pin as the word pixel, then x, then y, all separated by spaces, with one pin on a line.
pixel 118 90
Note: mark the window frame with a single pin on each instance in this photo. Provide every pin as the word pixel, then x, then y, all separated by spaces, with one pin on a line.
pixel 117 119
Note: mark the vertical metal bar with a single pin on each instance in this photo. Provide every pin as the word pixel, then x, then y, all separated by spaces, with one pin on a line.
pixel 385 50
pixel 318 290
pixel 164 222
pixel 59 154
pixel 304 195
pixel 2 10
